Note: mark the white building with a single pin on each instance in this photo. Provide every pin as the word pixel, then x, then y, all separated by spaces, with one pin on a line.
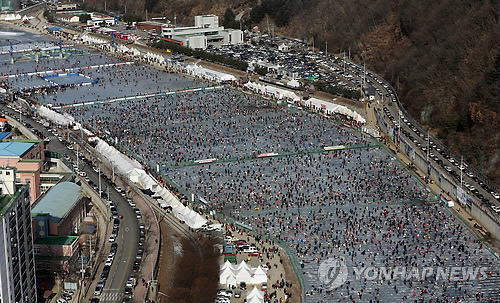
pixel 17 264
pixel 206 31
pixel 98 20
pixel 68 18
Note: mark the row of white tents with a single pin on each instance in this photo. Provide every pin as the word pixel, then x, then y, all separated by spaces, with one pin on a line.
pixel 181 212
pixel 235 274
pixel 92 40
pixel 11 17
pixel 55 116
pixel 272 91
pixel 132 169
pixel 154 56
pixel 209 74
pixel 130 50
pixel 336 109
pixel 280 93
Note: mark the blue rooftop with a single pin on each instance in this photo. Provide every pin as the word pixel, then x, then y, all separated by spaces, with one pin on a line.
pixel 3 135
pixel 14 149
pixel 58 201
pixel 54 29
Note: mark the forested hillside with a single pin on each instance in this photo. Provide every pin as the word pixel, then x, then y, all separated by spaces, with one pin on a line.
pixel 442 56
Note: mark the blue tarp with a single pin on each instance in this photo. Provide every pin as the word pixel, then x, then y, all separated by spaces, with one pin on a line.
pixel 3 135
pixel 54 29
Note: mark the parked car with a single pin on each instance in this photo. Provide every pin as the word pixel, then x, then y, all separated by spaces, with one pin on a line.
pixel 97 291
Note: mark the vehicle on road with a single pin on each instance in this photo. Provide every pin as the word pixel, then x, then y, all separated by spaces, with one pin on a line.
pixel 131 281
pixel 97 291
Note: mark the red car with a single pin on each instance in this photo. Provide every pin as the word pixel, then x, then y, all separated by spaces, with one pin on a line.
pixel 254 254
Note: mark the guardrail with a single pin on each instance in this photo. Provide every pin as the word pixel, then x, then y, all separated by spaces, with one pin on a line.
pixel 275 155
pixel 438 142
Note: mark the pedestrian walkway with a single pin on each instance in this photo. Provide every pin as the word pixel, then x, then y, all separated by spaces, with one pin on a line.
pixel 111 296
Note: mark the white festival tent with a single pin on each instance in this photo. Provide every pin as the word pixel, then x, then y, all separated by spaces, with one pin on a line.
pixel 92 40
pixel 227 264
pixel 242 264
pixel 259 275
pixel 231 280
pixel 131 169
pixel 293 83
pixel 335 108
pixel 226 273
pixel 198 70
pixel 255 293
pixel 54 116
pixel 255 296
pixel 255 300
pixel 243 273
pixel 275 92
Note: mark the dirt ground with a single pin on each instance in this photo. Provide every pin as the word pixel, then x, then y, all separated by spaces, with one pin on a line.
pixel 190 276
pixel 291 277
pixel 166 259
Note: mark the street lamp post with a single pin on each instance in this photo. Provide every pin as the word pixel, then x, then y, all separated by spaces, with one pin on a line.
pixel 99 173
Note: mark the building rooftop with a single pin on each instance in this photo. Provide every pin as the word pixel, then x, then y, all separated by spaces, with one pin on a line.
pixel 154 23
pixel 56 240
pixel 14 149
pixel 58 201
pixel 3 135
pixel 24 140
pixel 6 200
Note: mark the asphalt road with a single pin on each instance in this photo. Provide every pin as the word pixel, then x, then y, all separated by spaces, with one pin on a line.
pixel 128 233
pixel 419 139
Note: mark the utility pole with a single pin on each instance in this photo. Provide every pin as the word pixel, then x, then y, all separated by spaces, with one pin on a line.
pixel 461 170
pixel 268 30
pixel 90 252
pixel 99 172
pixel 11 53
pixel 399 126
pixel 427 145
pixel 344 62
pixel 77 146
pixel 313 44
pixel 364 74
pixel 326 48
pixel 83 272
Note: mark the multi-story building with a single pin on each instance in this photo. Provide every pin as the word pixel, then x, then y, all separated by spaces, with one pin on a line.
pixel 206 31
pixel 8 5
pixel 17 264
pixel 27 156
pixel 56 218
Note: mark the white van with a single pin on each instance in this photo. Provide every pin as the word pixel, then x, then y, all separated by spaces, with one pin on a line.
pixel 249 250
